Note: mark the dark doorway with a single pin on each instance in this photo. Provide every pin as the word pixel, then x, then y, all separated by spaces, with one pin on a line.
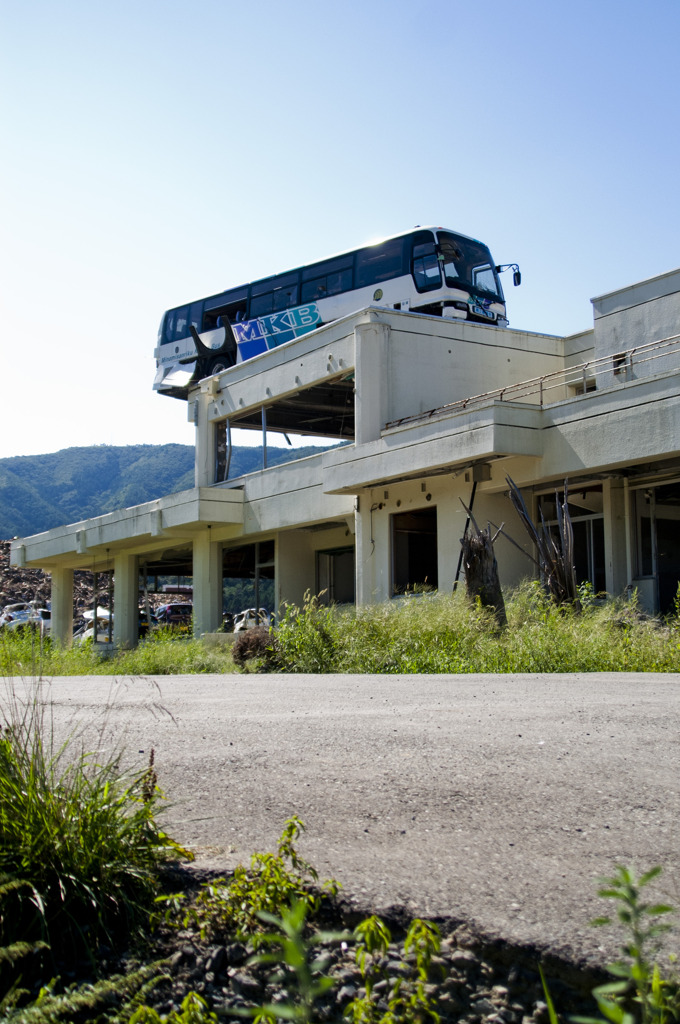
pixel 414 550
pixel 335 576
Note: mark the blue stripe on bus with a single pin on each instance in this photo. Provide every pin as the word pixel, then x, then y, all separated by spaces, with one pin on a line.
pixel 265 332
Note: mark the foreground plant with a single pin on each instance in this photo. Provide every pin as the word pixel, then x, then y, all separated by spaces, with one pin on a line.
pixel 81 835
pixel 293 950
pixel 272 883
pixel 640 993
pixel 406 999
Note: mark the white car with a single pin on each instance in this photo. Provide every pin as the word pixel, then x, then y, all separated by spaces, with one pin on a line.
pixel 249 618
pixel 23 613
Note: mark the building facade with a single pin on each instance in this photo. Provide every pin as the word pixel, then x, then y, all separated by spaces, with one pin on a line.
pixel 428 414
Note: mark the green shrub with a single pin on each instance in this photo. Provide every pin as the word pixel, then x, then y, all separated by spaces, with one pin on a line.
pixel 440 633
pixel 81 835
pixel 273 882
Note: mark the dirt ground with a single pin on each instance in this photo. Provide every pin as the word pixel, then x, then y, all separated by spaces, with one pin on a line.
pixel 497 800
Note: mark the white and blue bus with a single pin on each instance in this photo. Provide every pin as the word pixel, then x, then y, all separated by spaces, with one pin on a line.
pixel 427 270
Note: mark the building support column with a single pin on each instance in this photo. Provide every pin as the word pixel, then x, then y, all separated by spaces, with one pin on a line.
pixel 372 553
pixel 125 601
pixel 615 541
pixel 207 575
pixel 199 410
pixel 370 397
pixel 61 624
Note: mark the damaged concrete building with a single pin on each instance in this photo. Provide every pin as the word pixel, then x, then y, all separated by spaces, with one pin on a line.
pixel 427 409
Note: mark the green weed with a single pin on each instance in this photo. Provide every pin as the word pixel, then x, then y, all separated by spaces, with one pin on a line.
pixel 80 834
pixel 293 951
pixel 194 1010
pixel 407 999
pixel 272 883
pixel 163 652
pixel 640 993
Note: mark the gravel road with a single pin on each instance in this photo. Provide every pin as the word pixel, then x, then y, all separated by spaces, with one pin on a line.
pixel 497 800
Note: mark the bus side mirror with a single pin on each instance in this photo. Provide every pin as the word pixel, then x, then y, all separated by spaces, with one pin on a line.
pixel 516 276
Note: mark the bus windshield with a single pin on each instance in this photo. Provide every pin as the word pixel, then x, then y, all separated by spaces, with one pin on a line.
pixel 468 262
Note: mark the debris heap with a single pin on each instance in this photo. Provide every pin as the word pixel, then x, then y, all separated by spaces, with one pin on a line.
pixel 35 585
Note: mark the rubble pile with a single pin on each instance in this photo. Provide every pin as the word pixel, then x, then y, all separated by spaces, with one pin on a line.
pixel 17 585
pixel 35 585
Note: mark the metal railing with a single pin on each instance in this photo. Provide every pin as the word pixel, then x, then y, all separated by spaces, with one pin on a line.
pixel 580 378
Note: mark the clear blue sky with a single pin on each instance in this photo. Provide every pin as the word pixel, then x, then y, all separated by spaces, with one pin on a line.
pixel 157 151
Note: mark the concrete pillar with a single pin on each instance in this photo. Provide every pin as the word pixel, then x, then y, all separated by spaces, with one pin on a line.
pixel 615 543
pixel 204 472
pixel 373 553
pixel 295 568
pixel 61 626
pixel 125 601
pixel 370 402
pixel 207 575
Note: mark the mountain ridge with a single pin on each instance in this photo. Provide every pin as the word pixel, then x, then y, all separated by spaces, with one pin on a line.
pixel 40 492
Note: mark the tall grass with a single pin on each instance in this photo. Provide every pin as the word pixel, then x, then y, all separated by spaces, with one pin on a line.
pixel 79 833
pixel 437 633
pixel 162 653
pixel 418 633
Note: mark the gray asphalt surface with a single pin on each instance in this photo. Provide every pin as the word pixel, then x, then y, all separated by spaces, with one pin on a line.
pixel 498 800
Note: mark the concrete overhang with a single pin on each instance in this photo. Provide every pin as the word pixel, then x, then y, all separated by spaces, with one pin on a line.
pixel 612 429
pixel 435 445
pixel 142 529
pixel 306 386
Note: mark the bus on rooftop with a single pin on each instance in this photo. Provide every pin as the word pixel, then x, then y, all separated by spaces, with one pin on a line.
pixel 427 270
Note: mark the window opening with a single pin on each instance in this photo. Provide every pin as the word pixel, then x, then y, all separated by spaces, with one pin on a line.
pixel 586 511
pixel 248 578
pixel 658 539
pixel 231 305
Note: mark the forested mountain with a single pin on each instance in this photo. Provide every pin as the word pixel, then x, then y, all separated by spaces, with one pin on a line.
pixel 38 492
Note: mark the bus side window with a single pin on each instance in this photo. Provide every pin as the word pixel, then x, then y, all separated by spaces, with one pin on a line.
pixel 312 290
pixel 196 315
pixel 169 328
pixel 274 294
pixel 262 305
pixel 380 262
pixel 181 323
pixel 341 281
pixel 284 298
pixel 328 278
pixel 426 272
